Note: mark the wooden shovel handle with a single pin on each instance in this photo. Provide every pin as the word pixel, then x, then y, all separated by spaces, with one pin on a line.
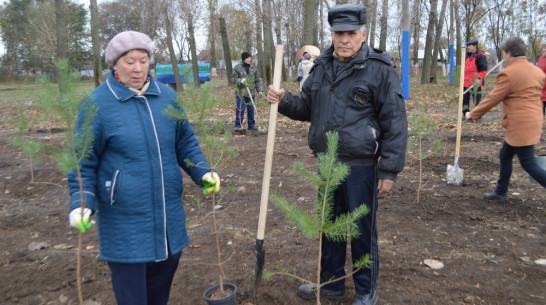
pixel 460 108
pixel 277 73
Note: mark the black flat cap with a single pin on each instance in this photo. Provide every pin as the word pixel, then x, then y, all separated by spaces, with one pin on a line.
pixel 347 17
pixel 472 41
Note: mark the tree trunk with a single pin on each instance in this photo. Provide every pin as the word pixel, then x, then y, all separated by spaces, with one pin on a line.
pixel 425 76
pixel 213 6
pixel 415 21
pixel 278 35
pixel 372 20
pixel 248 40
pixel 172 54
pixel 62 37
pixel 225 46
pixel 438 36
pixel 268 39
pixel 384 27
pixel 458 33
pixel 259 40
pixel 193 51
pixel 309 8
pixel 95 41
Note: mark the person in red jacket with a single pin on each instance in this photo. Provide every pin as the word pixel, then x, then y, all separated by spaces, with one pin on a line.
pixel 475 66
pixel 542 65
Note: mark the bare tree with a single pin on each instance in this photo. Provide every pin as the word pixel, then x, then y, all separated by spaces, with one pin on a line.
pixel 425 75
pixel 498 18
pixel 458 34
pixel 62 37
pixel 225 46
pixel 372 22
pixel 416 25
pixel 213 7
pixel 174 62
pixel 260 40
pixel 309 24
pixel 193 49
pixel 268 42
pixel 384 26
pixel 95 41
pixel 437 42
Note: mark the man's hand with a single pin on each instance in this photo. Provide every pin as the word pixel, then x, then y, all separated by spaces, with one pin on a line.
pixel 76 220
pixel 242 81
pixel 275 96
pixel 211 183
pixel 384 186
pixel 468 117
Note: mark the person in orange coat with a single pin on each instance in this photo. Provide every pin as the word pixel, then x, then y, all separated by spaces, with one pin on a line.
pixel 542 65
pixel 519 88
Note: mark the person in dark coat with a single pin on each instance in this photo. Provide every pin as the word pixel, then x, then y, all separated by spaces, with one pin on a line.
pixel 247 82
pixel 131 178
pixel 354 90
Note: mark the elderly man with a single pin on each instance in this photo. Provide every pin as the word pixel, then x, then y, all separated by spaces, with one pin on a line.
pixel 519 88
pixel 355 91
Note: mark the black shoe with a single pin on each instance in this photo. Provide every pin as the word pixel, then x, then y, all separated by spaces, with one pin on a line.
pixel 494 196
pixel 309 292
pixel 367 299
pixel 253 128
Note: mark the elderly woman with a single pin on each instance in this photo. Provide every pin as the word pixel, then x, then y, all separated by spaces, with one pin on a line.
pixel 131 177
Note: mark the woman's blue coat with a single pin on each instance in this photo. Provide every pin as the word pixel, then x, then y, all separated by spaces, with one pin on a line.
pixel 131 178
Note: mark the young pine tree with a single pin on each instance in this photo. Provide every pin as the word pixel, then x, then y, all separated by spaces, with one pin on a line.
pixel 214 145
pixel 320 223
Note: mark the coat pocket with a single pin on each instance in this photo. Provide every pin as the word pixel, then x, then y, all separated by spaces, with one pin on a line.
pixel 112 186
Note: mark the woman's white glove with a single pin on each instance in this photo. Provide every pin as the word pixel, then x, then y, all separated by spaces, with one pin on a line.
pixel 211 183
pixel 76 220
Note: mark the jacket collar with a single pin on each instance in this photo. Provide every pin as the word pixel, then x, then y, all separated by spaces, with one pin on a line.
pixel 122 93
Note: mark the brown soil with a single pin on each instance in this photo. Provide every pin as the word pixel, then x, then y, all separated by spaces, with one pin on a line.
pixel 488 248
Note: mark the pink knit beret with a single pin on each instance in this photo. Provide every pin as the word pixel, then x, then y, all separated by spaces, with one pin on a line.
pixel 124 42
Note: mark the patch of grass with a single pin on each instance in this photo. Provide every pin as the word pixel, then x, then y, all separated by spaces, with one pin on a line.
pixel 26 96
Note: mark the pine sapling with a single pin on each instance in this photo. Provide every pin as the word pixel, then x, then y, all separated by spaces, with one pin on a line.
pixel 421 125
pixel 78 140
pixel 321 223
pixel 214 145
pixel 30 148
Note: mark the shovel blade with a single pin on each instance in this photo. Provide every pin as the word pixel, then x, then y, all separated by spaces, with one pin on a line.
pixel 454 175
pixel 260 259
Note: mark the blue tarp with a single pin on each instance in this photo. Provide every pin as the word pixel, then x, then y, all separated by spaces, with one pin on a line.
pixel 164 73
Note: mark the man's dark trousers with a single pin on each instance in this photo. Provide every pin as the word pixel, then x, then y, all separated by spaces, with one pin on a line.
pixel 243 103
pixel 466 98
pixel 360 187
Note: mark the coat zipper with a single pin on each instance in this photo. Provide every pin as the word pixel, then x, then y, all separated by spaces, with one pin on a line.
pixel 114 182
pixel 162 180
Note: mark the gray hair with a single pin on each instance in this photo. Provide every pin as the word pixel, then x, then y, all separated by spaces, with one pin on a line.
pixel 363 29
pixel 515 46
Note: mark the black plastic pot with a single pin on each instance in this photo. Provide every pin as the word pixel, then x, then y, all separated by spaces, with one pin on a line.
pixel 228 300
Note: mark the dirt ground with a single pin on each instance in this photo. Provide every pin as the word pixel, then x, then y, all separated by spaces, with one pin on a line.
pixel 488 248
